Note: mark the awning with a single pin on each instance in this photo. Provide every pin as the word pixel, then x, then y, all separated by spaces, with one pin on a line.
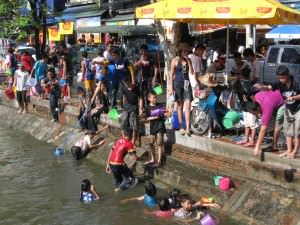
pixel 121 20
pixel 284 32
pixel 121 30
pixel 72 13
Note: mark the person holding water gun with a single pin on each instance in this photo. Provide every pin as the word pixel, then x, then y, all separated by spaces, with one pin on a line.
pixel 156 115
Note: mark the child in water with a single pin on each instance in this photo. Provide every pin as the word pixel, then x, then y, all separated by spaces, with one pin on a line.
pixel 175 198
pixel 88 192
pixel 149 197
pixel 164 210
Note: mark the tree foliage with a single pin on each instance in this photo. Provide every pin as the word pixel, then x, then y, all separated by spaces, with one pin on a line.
pixel 14 21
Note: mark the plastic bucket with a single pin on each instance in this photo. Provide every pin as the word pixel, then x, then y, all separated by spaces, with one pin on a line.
pixel 230 119
pixel 158 89
pixel 59 151
pixel 209 220
pixel 224 184
pixel 10 94
pixel 113 114
pixel 175 121
pixel 216 180
pixel 31 82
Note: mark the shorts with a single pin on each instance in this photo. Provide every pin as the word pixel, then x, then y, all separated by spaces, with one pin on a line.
pixel 21 97
pixel 157 139
pixel 250 120
pixel 291 124
pixel 276 120
pixel 89 85
pixel 181 94
pixel 129 121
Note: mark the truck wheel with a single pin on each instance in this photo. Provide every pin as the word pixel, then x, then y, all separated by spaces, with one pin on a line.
pixel 199 121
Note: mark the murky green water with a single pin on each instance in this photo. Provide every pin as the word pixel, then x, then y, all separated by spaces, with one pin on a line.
pixel 39 188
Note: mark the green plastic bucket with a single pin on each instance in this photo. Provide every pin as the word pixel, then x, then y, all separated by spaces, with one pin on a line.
pixel 216 180
pixel 158 89
pixel 113 114
pixel 230 119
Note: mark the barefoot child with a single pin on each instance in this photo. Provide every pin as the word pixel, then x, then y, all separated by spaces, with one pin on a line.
pixel 88 192
pixel 155 114
pixel 148 198
pixel 116 164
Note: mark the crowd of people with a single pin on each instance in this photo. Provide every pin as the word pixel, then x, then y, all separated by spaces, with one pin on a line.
pixel 110 78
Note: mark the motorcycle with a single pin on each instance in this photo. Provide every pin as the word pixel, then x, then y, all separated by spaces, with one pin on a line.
pixel 207 111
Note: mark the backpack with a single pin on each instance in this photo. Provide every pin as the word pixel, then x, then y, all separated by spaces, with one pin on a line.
pixel 90 74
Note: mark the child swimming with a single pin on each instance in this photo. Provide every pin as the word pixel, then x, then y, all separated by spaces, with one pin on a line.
pixel 88 192
pixel 149 197
pixel 164 209
pixel 175 198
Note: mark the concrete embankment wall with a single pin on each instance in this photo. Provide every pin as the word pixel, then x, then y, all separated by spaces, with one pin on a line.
pixel 254 200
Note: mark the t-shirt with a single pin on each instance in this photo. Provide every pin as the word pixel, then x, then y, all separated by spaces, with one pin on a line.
pixel 182 213
pixel 132 96
pixel 122 68
pixel 269 101
pixel 162 214
pixel 242 89
pixel 150 201
pixel 88 197
pixel 196 62
pixel 40 70
pixel 255 69
pixel 27 61
pixel 109 79
pixel 21 78
pixel 158 125
pixel 147 70
pixel 84 143
pixel 286 92
pixel 119 150
pixel 107 56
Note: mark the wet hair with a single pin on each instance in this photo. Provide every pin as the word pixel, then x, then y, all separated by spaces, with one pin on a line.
pixel 80 90
pixel 185 197
pixel 51 70
pixel 84 54
pixel 237 55
pixel 151 93
pixel 200 46
pixel 115 51
pixel 100 52
pixel 85 187
pixel 164 205
pixel 144 47
pixel 252 106
pixel 282 71
pixel 246 72
pixel 10 50
pixel 127 133
pixel 150 189
pixel 45 56
pixel 175 198
pixel 248 52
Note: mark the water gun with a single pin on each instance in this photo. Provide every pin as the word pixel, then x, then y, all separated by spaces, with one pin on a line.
pixel 158 112
pixel 206 200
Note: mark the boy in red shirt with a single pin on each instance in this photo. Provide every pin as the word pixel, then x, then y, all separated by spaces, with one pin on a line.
pixel 117 166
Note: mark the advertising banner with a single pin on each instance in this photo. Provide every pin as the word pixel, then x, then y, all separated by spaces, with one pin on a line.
pixel 66 27
pixel 54 34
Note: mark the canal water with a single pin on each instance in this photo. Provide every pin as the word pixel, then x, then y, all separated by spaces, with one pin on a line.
pixel 38 188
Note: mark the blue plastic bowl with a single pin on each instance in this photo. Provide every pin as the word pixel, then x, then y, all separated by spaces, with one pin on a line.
pixel 59 151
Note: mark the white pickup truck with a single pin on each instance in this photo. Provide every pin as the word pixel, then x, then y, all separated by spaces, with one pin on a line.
pixel 288 55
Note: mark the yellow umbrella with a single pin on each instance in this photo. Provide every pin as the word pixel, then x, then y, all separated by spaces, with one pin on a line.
pixel 221 11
